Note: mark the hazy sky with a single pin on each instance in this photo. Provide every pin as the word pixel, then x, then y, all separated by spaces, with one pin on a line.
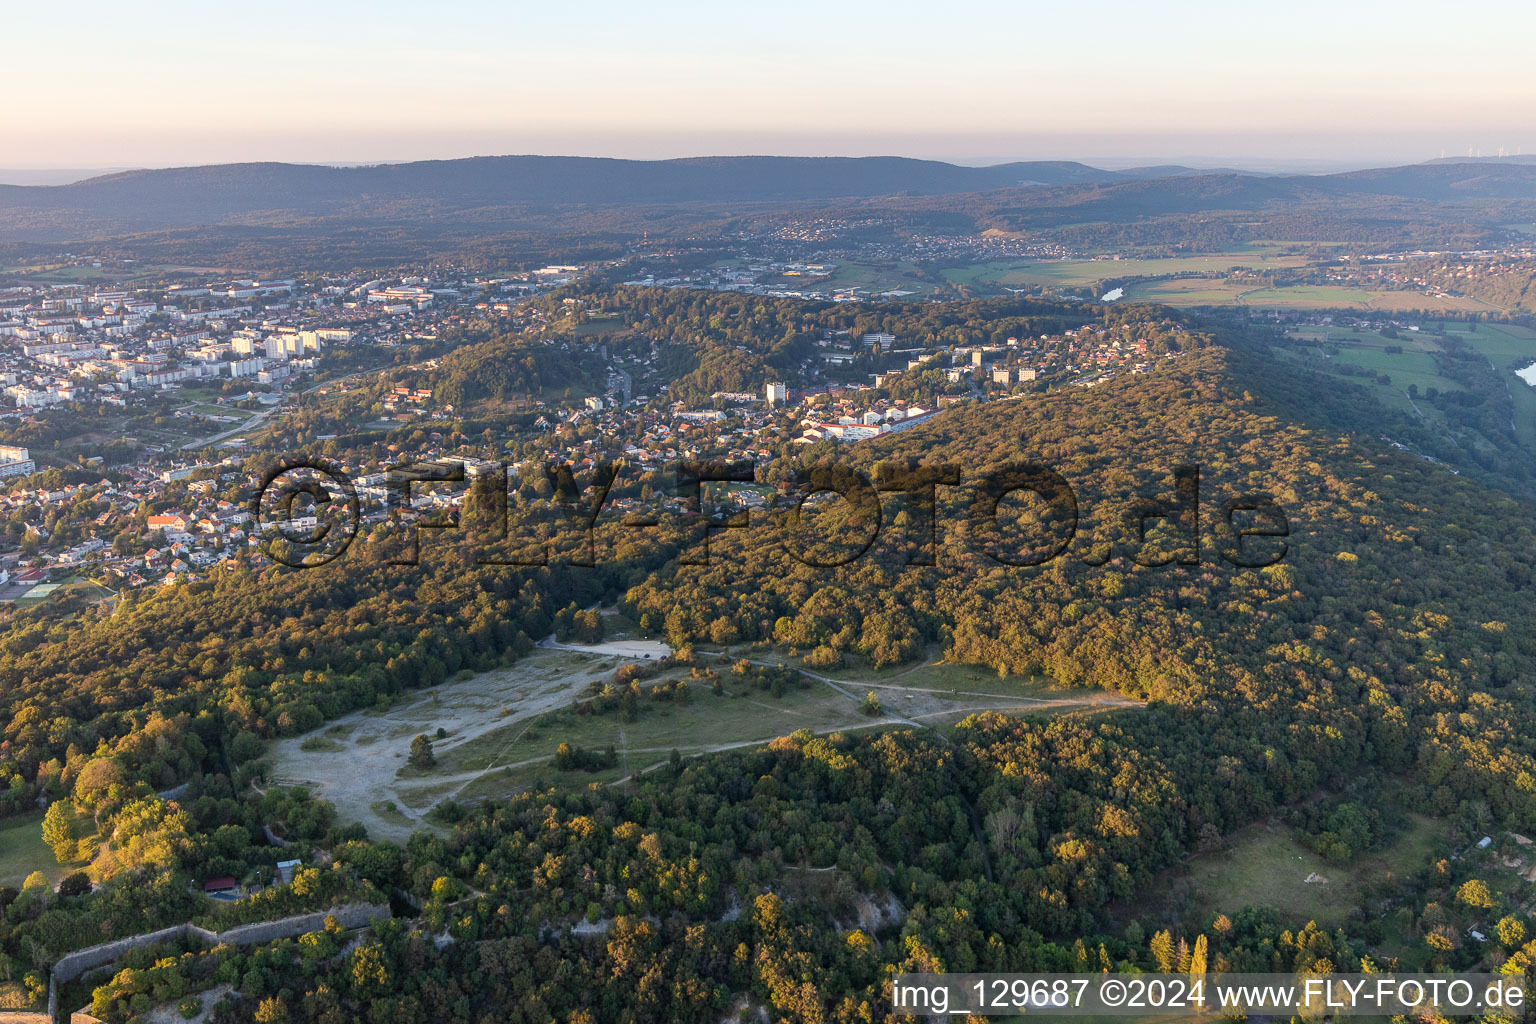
pixel 114 84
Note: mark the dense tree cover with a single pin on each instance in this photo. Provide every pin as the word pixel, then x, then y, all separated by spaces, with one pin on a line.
pixel 724 341
pixel 165 686
pixel 181 685
pixel 506 366
pixel 1376 645
pixel 757 876
pixel 1390 642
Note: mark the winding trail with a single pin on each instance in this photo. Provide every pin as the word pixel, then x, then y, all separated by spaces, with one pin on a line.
pixel 355 761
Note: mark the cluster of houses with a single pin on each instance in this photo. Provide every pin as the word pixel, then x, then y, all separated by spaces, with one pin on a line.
pixel 63 344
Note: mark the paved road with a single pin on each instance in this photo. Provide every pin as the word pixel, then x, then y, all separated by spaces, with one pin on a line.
pixel 261 417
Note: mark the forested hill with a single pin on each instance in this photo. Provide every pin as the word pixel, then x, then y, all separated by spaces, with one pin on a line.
pixel 1377 552
pixel 187 196
pixel 519 190
pixel 1386 652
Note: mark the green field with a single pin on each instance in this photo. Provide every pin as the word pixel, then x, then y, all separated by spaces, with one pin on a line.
pixel 1404 368
pixel 1202 291
pixel 1305 296
pixel 1076 273
pixel 1415 365
pixel 704 722
pixel 1508 347
pixel 65 274
pixel 1189 291
pixel 22 850
pixel 1266 866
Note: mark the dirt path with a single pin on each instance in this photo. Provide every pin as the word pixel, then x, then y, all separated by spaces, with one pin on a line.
pixel 355 762
pixel 360 754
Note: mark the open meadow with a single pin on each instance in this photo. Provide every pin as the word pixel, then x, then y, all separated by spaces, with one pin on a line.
pixel 1408 361
pixel 502 731
pixel 1266 865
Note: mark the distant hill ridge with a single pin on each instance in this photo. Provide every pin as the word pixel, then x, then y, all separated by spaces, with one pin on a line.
pixel 555 180
pixel 500 186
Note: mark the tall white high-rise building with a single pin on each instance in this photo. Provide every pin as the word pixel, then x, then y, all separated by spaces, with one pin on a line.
pixel 777 394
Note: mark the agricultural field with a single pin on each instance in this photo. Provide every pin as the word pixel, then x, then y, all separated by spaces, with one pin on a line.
pixel 1077 273
pixel 1414 365
pixel 63 273
pixel 1204 291
pixel 1189 291
pixel 1506 346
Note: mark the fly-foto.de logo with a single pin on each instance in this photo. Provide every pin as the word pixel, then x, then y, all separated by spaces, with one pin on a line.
pixel 309 510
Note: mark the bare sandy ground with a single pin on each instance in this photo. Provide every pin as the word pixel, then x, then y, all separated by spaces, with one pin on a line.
pixel 640 650
pixel 361 752
pixel 354 761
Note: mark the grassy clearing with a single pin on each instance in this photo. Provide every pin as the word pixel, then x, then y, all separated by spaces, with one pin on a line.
pixel 422 797
pixel 1188 292
pixel 22 851
pixel 1507 347
pixel 1408 341
pixel 599 328
pixel 1320 296
pixel 1267 866
pixel 1409 301
pixel 504 727
pixel 1405 368
pixel 387 810
pixel 703 722
pixel 953 682
pixel 234 411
